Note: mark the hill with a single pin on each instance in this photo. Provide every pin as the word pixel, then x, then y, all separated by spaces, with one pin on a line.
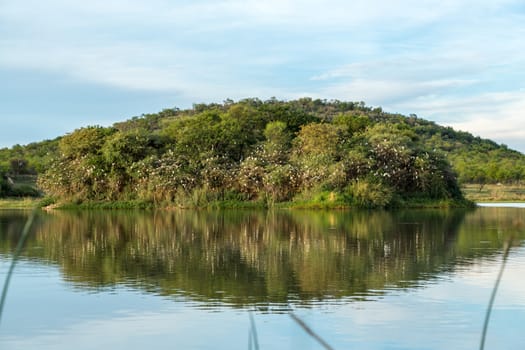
pixel 307 151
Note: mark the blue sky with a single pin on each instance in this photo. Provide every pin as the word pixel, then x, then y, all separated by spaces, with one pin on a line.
pixel 66 64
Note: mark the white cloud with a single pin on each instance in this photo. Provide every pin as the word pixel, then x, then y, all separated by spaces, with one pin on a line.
pixel 389 91
pixel 274 11
pixel 493 115
pixel 120 65
pixel 498 116
pixel 447 59
pixel 71 35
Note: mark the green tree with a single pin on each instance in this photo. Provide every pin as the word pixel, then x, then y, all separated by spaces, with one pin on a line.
pixel 352 123
pixel 80 172
pixel 277 142
pixel 316 149
pixel 120 152
pixel 19 166
pixel 83 141
pixel 4 185
pixel 402 161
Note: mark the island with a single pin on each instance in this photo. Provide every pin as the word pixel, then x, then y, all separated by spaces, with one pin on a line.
pixel 305 153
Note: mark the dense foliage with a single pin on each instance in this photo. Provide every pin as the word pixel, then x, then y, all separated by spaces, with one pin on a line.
pixel 475 160
pixel 4 185
pixel 343 153
pixel 30 159
pixel 251 151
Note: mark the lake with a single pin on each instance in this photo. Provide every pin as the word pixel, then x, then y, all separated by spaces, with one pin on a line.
pixel 409 279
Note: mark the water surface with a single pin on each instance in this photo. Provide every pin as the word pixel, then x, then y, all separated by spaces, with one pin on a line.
pixel 189 279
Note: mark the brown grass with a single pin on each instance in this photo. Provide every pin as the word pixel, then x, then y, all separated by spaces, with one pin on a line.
pixel 19 203
pixel 494 192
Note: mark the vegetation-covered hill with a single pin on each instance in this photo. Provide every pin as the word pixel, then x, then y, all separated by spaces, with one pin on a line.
pixel 311 151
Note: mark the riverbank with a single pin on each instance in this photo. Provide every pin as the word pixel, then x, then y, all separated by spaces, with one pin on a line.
pixel 324 203
pixel 321 202
pixel 474 193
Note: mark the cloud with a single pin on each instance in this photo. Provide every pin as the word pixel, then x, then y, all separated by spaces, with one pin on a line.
pixel 493 115
pixel 425 57
pixel 388 92
pixel 176 45
pixel 497 115
pixel 248 11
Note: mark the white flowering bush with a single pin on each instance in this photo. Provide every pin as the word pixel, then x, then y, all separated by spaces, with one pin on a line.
pixel 250 177
pixel 281 182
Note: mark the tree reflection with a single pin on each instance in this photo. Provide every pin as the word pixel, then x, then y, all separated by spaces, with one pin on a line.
pixel 247 257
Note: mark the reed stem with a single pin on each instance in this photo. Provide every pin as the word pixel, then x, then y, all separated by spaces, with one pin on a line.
pixel 18 250
pixel 493 295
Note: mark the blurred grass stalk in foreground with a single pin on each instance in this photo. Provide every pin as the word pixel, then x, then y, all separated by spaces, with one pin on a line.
pixel 18 250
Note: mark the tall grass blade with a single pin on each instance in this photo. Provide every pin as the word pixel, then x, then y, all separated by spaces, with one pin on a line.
pixel 310 331
pixel 18 250
pixel 493 295
pixel 253 334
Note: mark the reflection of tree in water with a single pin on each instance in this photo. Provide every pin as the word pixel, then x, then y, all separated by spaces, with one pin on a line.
pixel 254 257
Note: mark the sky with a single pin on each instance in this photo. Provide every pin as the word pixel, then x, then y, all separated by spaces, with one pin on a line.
pixel 67 64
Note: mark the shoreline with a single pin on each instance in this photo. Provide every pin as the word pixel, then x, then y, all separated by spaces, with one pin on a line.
pixel 42 203
pixel 478 195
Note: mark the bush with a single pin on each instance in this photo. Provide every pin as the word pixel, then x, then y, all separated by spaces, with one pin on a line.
pixel 4 185
pixel 23 191
pixel 281 182
pixel 47 201
pixel 370 194
pixel 320 199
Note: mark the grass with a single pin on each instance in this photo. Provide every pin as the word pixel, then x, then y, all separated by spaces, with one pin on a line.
pixel 321 201
pixel 494 192
pixel 314 199
pixel 132 204
pixel 19 203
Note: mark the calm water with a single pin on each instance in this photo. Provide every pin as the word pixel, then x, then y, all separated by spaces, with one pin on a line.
pixel 191 279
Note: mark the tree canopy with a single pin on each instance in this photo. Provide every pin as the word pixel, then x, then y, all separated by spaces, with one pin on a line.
pixel 270 151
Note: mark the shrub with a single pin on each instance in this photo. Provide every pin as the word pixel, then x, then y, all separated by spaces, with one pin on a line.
pixel 370 194
pixel 281 182
pixel 4 185
pixel 23 191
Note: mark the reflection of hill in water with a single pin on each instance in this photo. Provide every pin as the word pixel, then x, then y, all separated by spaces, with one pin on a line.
pixel 247 257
